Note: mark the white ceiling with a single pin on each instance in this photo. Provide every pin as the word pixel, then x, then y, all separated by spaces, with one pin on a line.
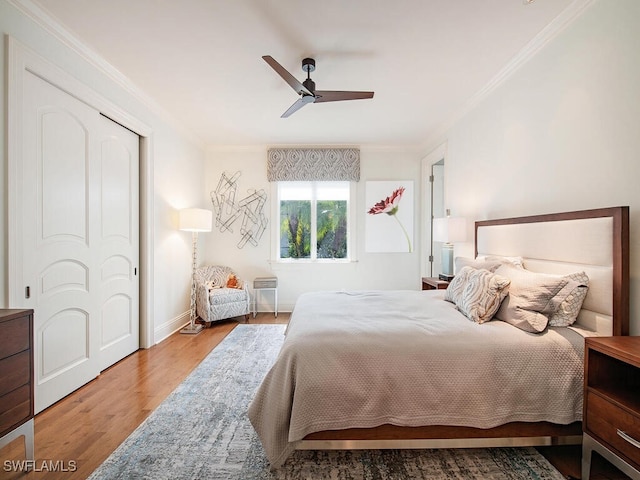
pixel 200 60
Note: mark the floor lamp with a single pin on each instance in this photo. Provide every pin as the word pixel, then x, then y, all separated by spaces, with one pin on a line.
pixel 449 230
pixel 194 220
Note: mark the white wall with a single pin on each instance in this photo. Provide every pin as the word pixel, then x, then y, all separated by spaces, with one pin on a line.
pixel 178 162
pixel 561 134
pixel 370 271
pixel 178 183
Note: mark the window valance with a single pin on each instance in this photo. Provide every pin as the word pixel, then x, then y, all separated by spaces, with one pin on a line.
pixel 313 164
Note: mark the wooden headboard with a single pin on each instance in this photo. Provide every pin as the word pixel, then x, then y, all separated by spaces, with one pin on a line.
pixel 593 241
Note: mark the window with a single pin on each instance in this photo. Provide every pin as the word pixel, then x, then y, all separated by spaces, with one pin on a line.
pixel 314 220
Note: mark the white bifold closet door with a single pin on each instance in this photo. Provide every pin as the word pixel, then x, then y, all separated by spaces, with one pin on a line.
pixel 80 238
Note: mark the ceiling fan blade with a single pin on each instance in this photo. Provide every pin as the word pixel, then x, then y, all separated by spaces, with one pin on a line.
pixel 337 96
pixel 287 77
pixel 301 102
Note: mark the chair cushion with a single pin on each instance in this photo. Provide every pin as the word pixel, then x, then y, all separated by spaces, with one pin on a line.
pixel 220 296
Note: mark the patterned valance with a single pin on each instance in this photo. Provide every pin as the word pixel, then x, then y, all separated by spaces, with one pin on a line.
pixel 313 164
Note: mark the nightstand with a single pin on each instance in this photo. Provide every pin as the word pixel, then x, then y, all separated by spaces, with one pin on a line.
pixel 265 283
pixel 432 283
pixel 16 378
pixel 611 419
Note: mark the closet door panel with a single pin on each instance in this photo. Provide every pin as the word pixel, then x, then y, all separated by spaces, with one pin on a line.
pixel 79 221
pixel 58 240
pixel 119 320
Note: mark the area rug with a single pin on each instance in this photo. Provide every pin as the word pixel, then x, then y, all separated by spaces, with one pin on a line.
pixel 201 431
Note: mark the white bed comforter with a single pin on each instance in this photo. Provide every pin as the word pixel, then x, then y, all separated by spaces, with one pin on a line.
pixel 408 358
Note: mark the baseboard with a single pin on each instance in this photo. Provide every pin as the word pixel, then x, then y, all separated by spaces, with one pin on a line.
pixel 163 331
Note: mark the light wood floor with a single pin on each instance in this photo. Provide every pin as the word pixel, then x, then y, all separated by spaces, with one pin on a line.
pixel 80 431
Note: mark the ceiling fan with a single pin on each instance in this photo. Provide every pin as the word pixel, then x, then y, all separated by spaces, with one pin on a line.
pixel 307 89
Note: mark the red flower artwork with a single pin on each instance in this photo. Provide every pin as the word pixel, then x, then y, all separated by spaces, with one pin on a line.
pixel 390 206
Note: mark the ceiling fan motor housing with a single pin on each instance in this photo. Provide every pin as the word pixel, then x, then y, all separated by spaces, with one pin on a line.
pixel 309 85
pixel 308 65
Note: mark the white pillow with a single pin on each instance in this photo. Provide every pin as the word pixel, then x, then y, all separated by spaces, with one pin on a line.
pixel 533 298
pixel 461 262
pixel 516 261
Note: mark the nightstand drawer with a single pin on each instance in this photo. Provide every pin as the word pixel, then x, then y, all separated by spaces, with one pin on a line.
pixel 611 424
pixel 15 408
pixel 15 371
pixel 15 337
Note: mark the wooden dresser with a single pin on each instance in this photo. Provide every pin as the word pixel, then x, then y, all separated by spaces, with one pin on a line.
pixel 611 419
pixel 16 377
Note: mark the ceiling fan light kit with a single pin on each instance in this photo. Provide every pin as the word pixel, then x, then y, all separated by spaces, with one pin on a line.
pixel 307 89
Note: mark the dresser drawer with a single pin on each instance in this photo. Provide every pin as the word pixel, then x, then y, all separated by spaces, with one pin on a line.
pixel 15 408
pixel 604 421
pixel 15 371
pixel 15 336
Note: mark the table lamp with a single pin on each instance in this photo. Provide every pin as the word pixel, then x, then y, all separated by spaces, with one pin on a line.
pixel 449 230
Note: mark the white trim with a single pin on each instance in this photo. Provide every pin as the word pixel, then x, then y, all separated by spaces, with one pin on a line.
pixel 353 222
pixel 275 220
pixel 545 36
pixel 52 26
pixel 168 328
pixel 21 59
pixel 439 153
pixel 15 69
pixel 146 235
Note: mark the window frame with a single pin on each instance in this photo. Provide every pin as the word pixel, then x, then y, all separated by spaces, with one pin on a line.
pixel 351 225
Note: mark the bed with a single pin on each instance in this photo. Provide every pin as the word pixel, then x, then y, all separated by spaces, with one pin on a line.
pixel 406 369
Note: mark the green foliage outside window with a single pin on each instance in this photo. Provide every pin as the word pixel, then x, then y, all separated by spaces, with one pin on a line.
pixel 295 229
pixel 332 229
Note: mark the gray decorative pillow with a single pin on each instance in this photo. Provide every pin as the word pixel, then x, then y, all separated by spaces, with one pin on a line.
pixel 533 298
pixel 462 262
pixel 567 312
pixel 482 294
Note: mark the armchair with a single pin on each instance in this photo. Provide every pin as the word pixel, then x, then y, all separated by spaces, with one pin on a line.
pixel 214 301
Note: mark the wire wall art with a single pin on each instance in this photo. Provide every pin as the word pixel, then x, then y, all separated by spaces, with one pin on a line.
pixel 248 210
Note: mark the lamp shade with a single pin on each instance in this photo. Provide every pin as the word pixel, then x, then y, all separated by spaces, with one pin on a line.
pixel 195 220
pixel 449 229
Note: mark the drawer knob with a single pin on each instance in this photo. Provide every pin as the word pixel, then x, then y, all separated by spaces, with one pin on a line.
pixel 628 438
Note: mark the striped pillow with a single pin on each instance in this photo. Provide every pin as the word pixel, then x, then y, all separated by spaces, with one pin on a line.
pixel 482 294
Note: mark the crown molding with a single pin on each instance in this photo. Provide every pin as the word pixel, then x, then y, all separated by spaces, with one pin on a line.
pixel 364 147
pixel 51 25
pixel 544 37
